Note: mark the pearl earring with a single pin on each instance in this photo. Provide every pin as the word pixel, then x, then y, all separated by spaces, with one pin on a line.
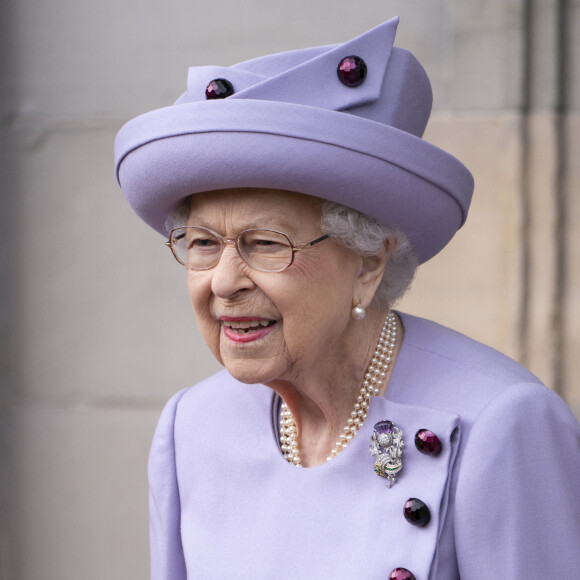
pixel 358 312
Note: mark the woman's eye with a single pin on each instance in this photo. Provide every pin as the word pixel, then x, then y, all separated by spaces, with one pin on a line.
pixel 265 246
pixel 203 243
pixel 265 242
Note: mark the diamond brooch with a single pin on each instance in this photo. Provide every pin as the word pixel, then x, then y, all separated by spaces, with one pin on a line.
pixel 387 447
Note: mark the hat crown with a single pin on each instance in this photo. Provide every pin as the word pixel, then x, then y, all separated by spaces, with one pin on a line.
pixel 396 91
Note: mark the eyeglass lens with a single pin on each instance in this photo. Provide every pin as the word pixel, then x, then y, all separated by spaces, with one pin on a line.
pixel 200 249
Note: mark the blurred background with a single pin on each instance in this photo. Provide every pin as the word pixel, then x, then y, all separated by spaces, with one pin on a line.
pixel 95 323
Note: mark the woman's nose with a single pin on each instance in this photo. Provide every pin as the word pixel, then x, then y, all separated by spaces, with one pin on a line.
pixel 230 275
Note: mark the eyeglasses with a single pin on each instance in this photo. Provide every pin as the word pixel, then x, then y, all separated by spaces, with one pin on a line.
pixel 199 248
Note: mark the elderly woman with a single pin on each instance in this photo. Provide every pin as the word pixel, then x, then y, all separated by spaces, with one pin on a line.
pixel 343 439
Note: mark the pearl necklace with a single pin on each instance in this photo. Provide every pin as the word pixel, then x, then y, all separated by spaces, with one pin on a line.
pixel 371 385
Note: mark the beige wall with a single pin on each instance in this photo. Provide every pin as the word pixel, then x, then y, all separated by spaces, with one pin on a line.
pixel 96 326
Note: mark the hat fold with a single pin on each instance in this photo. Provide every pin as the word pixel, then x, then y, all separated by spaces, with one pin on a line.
pixel 315 82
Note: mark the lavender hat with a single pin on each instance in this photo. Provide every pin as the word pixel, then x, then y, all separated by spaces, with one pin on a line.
pixel 341 122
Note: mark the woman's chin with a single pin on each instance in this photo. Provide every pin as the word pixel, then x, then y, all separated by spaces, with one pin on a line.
pixel 256 361
pixel 250 371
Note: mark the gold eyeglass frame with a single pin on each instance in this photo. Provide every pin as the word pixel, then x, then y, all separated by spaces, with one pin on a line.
pixel 236 242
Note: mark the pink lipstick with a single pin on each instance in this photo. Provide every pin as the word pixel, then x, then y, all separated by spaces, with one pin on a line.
pixel 244 329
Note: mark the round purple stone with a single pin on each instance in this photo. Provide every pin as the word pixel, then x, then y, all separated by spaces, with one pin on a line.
pixel 416 512
pixel 219 89
pixel 401 574
pixel 352 71
pixel 427 442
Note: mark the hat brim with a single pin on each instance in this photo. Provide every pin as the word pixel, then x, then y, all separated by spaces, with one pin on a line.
pixel 397 178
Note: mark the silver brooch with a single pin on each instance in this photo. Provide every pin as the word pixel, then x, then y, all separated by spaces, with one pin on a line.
pixel 387 447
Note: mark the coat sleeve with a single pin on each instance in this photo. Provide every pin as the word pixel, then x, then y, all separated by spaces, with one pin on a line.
pixel 167 560
pixel 517 513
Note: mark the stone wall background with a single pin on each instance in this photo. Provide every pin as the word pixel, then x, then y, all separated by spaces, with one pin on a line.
pixel 96 328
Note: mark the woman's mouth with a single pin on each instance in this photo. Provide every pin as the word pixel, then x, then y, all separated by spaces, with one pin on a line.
pixel 246 329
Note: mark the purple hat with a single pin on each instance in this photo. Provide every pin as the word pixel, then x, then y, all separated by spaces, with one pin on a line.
pixel 341 122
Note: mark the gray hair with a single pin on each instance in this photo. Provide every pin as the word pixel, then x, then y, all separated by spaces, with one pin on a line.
pixel 178 216
pixel 365 235
pixel 355 231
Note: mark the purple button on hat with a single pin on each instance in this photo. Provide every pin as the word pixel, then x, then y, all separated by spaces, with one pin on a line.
pixel 360 146
pixel 219 89
pixel 352 71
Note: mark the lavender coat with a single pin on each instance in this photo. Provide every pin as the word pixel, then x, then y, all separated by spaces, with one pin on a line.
pixel 504 493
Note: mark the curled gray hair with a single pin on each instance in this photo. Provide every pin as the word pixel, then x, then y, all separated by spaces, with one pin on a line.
pixel 357 232
pixel 365 235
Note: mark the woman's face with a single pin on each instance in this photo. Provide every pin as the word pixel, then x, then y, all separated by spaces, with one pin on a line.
pixel 264 326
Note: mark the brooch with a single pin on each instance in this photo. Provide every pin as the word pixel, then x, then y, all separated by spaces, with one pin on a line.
pixel 387 447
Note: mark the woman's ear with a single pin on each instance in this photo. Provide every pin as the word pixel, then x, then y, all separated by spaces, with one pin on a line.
pixel 371 273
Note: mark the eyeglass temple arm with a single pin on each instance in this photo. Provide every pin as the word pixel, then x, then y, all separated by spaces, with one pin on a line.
pixel 316 241
pixel 179 237
pixel 310 244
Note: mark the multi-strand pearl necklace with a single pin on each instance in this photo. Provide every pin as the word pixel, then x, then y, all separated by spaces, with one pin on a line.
pixel 371 385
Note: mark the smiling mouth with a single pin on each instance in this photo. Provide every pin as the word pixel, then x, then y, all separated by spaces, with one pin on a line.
pixel 247 326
